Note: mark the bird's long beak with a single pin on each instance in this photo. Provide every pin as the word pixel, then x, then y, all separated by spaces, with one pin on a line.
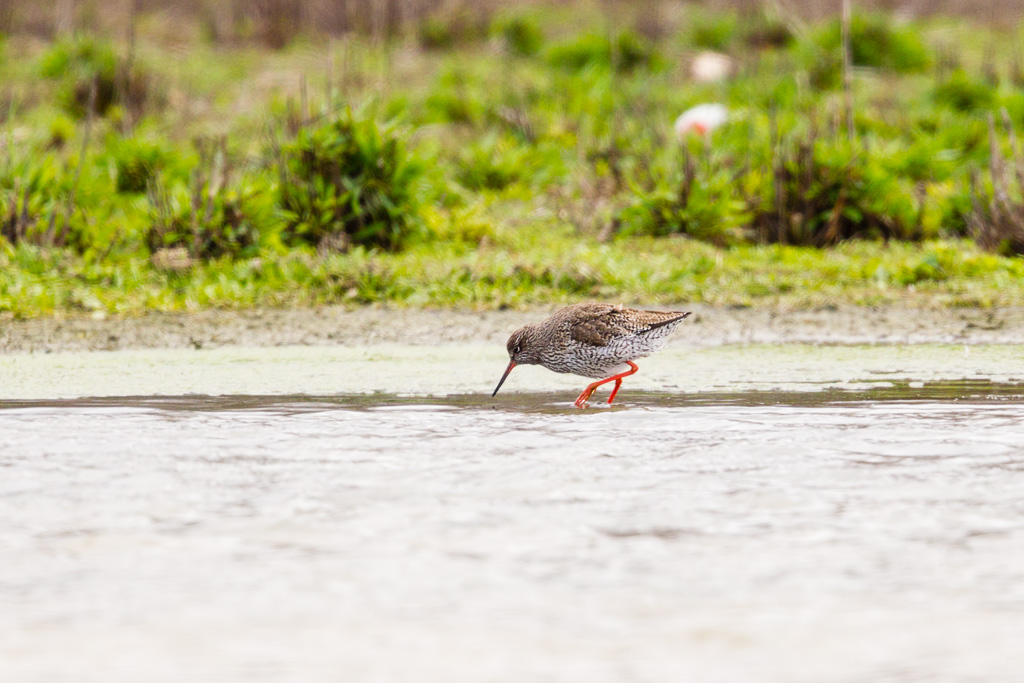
pixel 511 364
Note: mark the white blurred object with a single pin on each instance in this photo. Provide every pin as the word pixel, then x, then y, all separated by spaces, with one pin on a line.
pixel 701 119
pixel 711 67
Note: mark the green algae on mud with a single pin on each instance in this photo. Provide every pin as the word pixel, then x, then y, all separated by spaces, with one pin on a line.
pixel 473 368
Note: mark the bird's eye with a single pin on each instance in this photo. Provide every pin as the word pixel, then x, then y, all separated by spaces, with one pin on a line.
pixel 515 349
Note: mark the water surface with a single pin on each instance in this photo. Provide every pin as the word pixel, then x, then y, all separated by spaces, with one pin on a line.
pixel 869 533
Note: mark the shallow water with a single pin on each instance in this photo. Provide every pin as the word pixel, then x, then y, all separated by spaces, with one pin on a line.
pixel 874 533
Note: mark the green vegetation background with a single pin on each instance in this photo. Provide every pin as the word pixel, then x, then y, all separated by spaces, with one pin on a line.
pixel 509 158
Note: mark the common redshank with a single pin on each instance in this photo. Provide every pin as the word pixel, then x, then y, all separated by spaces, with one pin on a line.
pixel 592 340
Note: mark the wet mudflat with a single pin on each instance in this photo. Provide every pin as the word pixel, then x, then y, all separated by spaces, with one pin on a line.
pixel 869 531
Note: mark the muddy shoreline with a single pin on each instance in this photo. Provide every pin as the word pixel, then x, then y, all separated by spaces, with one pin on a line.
pixel 339 326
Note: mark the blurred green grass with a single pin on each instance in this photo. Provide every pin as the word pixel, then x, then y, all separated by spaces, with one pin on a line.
pixel 640 270
pixel 508 160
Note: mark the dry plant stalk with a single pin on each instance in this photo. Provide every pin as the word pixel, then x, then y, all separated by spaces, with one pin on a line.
pixel 7 15
pixel 847 68
pixel 998 223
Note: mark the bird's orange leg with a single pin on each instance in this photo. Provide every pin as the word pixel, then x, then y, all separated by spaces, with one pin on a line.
pixel 615 390
pixel 618 379
pixel 581 400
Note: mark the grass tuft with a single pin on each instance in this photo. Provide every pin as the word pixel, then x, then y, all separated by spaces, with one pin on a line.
pixel 349 181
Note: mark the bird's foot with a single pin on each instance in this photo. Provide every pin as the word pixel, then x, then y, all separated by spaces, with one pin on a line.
pixel 581 400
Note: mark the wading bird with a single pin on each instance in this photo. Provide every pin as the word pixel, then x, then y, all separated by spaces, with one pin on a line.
pixel 592 340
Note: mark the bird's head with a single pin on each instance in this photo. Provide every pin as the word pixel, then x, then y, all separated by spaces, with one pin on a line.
pixel 522 350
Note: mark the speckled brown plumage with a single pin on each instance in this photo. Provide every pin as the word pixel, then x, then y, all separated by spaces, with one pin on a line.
pixel 593 340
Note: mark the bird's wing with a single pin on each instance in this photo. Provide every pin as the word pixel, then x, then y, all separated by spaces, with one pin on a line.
pixel 652 320
pixel 600 324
